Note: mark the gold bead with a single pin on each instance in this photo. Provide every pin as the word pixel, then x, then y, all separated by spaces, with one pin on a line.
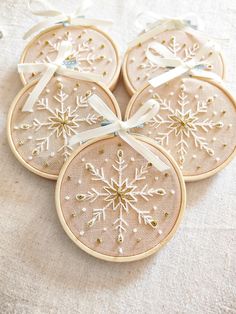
pixel 210 100
pixel 79 197
pixel 20 143
pixel 25 126
pixel 154 223
pixel 120 238
pixel 35 152
pixel 59 85
pixel 90 223
pixel 120 153
pixel 45 164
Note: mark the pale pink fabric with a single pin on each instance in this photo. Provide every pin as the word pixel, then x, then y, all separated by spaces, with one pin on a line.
pixel 164 209
pixel 203 105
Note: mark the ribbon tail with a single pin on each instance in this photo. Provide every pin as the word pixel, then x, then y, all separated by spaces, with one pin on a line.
pixel 31 67
pixel 208 75
pixel 28 106
pixel 168 76
pixel 144 151
pixel 79 75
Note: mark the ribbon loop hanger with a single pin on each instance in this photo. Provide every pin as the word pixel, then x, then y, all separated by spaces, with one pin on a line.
pixel 54 16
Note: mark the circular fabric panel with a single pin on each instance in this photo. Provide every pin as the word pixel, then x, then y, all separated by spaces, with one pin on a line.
pixel 114 204
pixel 196 123
pixel 40 139
pixel 93 51
pixel 137 69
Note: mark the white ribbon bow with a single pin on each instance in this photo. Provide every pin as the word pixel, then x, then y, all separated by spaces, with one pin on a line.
pixel 191 23
pixel 54 16
pixel 145 113
pixel 49 70
pixel 166 59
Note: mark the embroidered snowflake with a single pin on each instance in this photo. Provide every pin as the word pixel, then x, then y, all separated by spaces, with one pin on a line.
pixel 184 123
pixel 62 121
pixel 175 48
pixel 120 195
pixel 82 58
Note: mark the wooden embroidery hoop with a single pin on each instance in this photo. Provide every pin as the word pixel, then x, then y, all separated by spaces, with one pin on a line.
pixel 120 258
pixel 9 128
pixel 213 171
pixel 128 84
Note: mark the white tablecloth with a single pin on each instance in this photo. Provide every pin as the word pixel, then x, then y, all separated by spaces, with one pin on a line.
pixel 42 271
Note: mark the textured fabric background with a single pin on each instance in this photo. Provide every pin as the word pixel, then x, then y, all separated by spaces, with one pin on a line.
pixel 42 271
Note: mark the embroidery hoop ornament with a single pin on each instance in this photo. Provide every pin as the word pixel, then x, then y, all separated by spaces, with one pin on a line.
pixel 76 20
pixel 190 24
pixel 71 234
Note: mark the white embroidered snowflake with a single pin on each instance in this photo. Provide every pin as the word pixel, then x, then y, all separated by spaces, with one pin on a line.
pixel 62 121
pixel 120 195
pixel 82 58
pixel 175 48
pixel 184 123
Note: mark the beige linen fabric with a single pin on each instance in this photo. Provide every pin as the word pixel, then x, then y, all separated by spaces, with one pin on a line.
pixel 42 271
